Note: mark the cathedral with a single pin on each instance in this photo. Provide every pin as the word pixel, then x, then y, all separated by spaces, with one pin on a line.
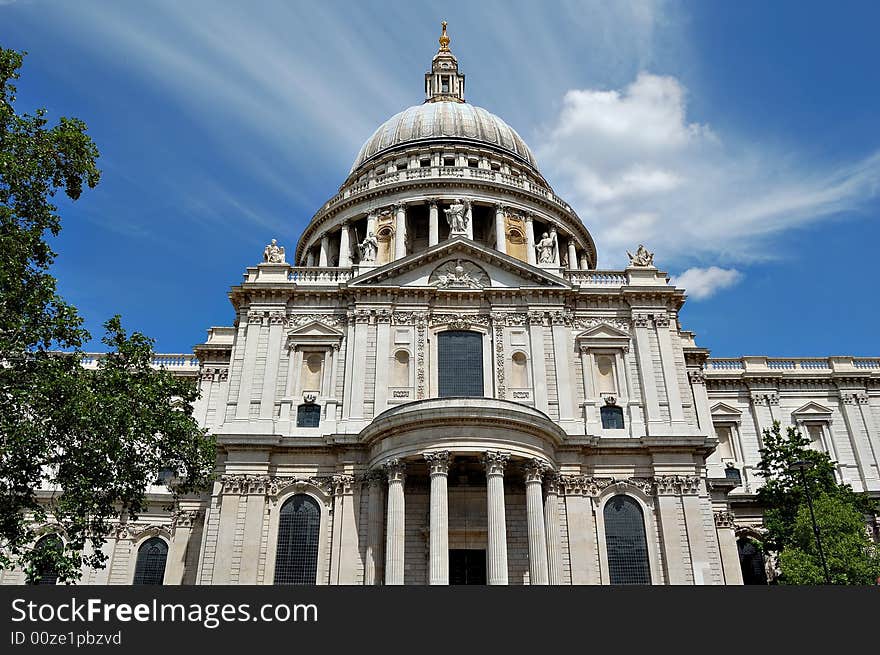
pixel 437 385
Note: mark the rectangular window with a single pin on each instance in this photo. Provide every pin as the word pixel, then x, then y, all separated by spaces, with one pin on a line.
pixel 460 365
pixel 725 441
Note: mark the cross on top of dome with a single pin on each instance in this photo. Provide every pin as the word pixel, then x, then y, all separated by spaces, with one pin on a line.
pixel 444 83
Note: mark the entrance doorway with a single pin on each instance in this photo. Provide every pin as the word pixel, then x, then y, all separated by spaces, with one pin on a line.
pixel 467 567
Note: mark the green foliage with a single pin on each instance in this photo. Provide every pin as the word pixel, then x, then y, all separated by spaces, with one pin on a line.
pixel 851 556
pixel 840 512
pixel 78 447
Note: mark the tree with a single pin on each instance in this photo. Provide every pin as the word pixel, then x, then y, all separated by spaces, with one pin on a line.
pixel 78 447
pixel 840 514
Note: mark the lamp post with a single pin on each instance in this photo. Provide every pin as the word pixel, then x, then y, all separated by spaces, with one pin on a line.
pixel 802 465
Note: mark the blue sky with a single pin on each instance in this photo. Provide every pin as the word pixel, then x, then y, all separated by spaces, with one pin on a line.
pixel 738 141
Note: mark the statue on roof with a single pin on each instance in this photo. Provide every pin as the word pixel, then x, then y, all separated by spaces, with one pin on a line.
pixel 642 258
pixel 273 253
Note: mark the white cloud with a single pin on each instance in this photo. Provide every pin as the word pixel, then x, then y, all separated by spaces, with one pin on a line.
pixel 701 283
pixel 638 170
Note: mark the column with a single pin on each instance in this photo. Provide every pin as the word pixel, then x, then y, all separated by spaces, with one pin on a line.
pixel 310 257
pixel 273 357
pixel 670 372
pixel 372 565
pixel 324 255
pixel 530 241
pixel 552 529
pixel 727 545
pixel 496 556
pixel 672 530
pixel 646 368
pixel 564 387
pixel 400 231
pixel 539 368
pixel 469 228
pixel 438 465
pixel 181 532
pixel 344 247
pixel 394 524
pixel 500 234
pixel 251 336
pixel 356 356
pixel 572 255
pixel 538 565
pixel 433 224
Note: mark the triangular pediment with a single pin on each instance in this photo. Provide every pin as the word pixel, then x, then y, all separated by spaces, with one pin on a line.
pixel 812 409
pixel 603 331
pixel 723 409
pixel 460 265
pixel 314 330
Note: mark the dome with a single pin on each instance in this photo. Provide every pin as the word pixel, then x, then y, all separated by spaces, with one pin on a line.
pixel 444 120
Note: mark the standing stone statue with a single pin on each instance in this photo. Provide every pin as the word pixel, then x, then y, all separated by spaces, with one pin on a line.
pixel 368 248
pixel 457 217
pixel 642 258
pixel 546 248
pixel 273 253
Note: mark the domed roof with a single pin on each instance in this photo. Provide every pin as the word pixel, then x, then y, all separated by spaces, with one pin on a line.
pixel 444 120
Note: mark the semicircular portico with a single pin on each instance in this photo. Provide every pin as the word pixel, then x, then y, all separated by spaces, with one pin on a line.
pixel 462 426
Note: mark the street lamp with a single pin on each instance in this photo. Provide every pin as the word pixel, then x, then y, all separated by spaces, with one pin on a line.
pixel 802 465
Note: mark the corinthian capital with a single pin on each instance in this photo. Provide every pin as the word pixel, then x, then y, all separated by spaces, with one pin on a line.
pixel 495 461
pixel 534 470
pixel 438 462
pixel 395 470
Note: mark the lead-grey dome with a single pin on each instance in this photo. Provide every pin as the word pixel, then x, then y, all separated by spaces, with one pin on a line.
pixel 444 120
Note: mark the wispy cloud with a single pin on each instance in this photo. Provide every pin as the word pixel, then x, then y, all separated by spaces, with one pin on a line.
pixel 634 164
pixel 702 283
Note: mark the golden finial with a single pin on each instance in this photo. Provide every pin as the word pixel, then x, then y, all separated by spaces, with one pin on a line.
pixel 444 39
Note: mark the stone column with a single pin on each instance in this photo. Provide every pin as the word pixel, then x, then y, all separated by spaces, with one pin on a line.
pixel 670 369
pixel 185 517
pixel 469 228
pixel 344 247
pixel 433 223
pixel 310 257
pixel 400 231
pixel 500 235
pixel 552 529
pixel 438 465
pixel 556 256
pixel 572 255
pixel 531 255
pixel 496 556
pixel 324 256
pixel 727 546
pixel 372 565
pixel 395 523
pixel 641 326
pixel 673 531
pixel 538 574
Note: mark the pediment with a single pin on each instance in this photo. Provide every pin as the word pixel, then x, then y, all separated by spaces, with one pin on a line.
pixel 315 333
pixel 604 335
pixel 461 265
pixel 813 409
pixel 723 410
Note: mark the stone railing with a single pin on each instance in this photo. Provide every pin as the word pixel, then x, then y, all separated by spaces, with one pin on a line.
pixel 319 276
pixel 595 278
pixel 178 362
pixel 792 365
pixel 522 182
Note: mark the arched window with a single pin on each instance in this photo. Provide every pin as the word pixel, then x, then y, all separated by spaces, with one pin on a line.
pixel 44 550
pixel 296 558
pixel 308 416
pixel 400 369
pixel 751 561
pixel 612 417
pixel 519 377
pixel 625 542
pixel 460 355
pixel 150 567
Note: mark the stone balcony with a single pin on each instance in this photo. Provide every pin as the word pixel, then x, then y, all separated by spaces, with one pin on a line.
pixel 521 182
pixel 725 367
pixel 181 363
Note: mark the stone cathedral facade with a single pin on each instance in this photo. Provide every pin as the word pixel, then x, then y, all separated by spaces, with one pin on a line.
pixel 439 386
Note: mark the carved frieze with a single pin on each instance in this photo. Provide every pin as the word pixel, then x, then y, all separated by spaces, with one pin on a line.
pixel 724 519
pixel 641 320
pixel 185 518
pixel 460 321
pixel 696 376
pixel 677 485
pixel 661 320
pixel 330 320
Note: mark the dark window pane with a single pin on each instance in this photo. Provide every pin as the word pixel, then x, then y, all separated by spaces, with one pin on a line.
pixel 150 568
pixel 296 559
pixel 751 561
pixel 47 573
pixel 625 542
pixel 612 417
pixel 308 416
pixel 460 356
pixel 467 567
